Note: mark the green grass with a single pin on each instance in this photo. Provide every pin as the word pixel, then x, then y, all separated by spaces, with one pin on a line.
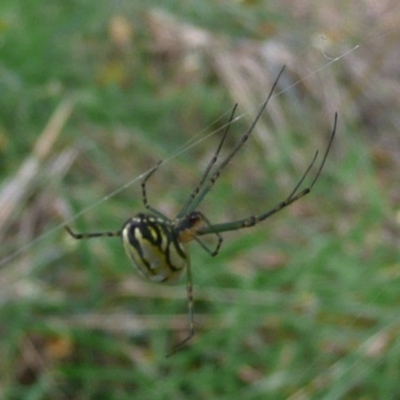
pixel 303 306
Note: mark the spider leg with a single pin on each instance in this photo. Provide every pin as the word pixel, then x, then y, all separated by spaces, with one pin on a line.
pixel 299 183
pixel 144 192
pixel 91 235
pixel 209 167
pixel 293 196
pixel 214 252
pixel 187 231
pixel 190 300
pixel 206 188
pixel 326 152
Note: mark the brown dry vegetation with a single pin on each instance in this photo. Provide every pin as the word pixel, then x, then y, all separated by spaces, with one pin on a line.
pixel 303 306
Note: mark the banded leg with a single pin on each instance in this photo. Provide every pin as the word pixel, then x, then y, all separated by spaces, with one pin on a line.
pixel 144 192
pixel 188 227
pixel 293 196
pixel 209 166
pixel 91 234
pixel 214 252
pixel 190 300
pixel 206 188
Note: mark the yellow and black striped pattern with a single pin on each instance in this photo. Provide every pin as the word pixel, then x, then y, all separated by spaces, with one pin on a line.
pixel 153 244
pixel 157 245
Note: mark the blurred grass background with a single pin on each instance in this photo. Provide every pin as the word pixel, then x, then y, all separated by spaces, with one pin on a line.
pixel 93 94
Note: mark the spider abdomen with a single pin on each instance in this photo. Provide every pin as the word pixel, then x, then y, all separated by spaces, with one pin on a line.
pixel 153 246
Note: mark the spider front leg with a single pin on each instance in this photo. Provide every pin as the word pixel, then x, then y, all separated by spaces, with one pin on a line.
pixel 210 165
pixel 293 196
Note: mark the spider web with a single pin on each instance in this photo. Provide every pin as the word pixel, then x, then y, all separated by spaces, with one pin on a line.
pixel 329 60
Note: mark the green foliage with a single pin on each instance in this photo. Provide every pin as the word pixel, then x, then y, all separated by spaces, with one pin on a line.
pixel 303 306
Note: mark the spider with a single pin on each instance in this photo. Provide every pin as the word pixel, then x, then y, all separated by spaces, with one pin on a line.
pixel 158 245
